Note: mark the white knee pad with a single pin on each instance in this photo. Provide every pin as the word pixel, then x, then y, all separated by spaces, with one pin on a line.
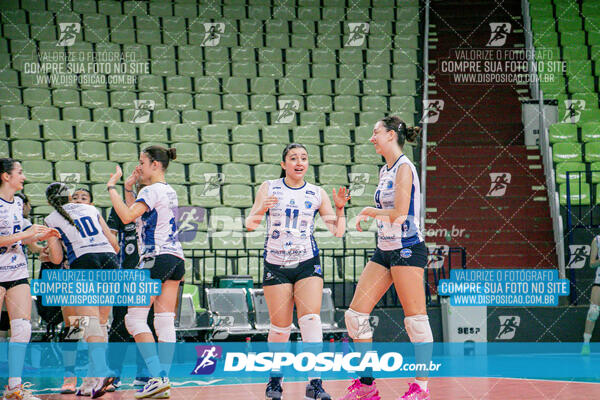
pixel 20 330
pixel 418 329
pixel 593 312
pixel 93 328
pixel 164 325
pixel 278 334
pixel 358 325
pixel 311 328
pixel 104 328
pixel 136 321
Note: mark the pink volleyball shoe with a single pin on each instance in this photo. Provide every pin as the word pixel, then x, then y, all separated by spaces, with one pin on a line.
pixel 360 391
pixel 415 393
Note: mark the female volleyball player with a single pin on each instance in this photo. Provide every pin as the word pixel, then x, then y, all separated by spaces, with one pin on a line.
pixel 293 272
pixel 161 253
pixel 90 245
pixel 400 256
pixel 14 282
pixel 594 309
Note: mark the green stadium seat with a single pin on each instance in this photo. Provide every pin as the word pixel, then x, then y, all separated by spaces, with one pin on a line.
pixel 187 152
pixel 4 147
pixel 314 154
pixel 336 154
pixel 75 114
pixel 26 150
pixel 179 84
pixel 270 70
pixel 91 151
pixel 236 173
pixel 70 167
pixel 10 78
pixel 342 119
pixel 566 152
pixel 24 129
pixel 182 194
pixel 262 85
pixel 236 195
pixel 371 171
pixel 46 113
pixel 150 83
pixel 245 134
pixel 31 96
pixel 106 114
pixel 180 101
pixel 592 152
pixel 312 118
pixel 319 86
pixel 87 130
pixel 217 153
pixel 62 130
pixel 365 154
pixel 318 103
pixel 65 97
pixel 122 131
pixel 38 170
pixel 374 103
pixel 100 170
pixel 194 117
pixel 360 240
pixel 347 103
pixel 56 150
pixel 569 166
pixel 235 102
pixel 123 151
pixel 235 84
pixel 176 172
pixel 214 134
pixel 307 135
pixel 154 133
pixel 263 172
pixel 200 197
pixel 163 67
pixel 365 198
pixel 291 86
pixel 562 133
pixel 336 135
pixel 225 117
pixel 263 102
pixel 590 131
pixel 579 193
pixel 271 153
pixel 333 174
pixel 345 86
pixel 13 112
pixel 101 195
pixel 594 168
pixel 254 118
pixel 168 117
pixel 122 99
pixel 247 153
pixel 207 101
pixel 275 134
pixel 351 71
pixel 198 170
pixel 36 192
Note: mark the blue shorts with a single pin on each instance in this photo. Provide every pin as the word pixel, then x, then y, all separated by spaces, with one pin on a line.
pixel 276 274
pixel 411 256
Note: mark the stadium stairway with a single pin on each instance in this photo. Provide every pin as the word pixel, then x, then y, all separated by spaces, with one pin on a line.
pixel 478 133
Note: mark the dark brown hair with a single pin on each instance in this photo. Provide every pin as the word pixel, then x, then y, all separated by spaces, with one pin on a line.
pixel 57 194
pixel 7 165
pixel 160 154
pixel 82 189
pixel 393 123
pixel 287 150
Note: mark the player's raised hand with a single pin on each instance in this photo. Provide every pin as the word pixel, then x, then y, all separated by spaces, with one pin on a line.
pixel 269 202
pixel 114 178
pixel 341 197
pixel 364 215
pixel 133 178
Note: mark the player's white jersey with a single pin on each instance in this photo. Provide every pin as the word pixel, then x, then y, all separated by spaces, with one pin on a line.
pixel 13 262
pixel 159 228
pixel 290 223
pixel 84 238
pixel 391 236
pixel 597 279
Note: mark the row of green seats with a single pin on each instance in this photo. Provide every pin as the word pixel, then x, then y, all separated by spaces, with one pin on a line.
pixel 585 132
pixel 579 192
pixel 578 171
pixel 565 151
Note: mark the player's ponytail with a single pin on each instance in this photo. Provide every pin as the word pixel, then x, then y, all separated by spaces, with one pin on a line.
pixel 160 154
pixel 57 194
pixel 393 123
pixel 286 151
pixel 6 165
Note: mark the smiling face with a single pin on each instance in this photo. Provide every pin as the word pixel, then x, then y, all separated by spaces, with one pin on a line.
pixel 381 137
pixel 296 163
pixel 81 197
pixel 15 179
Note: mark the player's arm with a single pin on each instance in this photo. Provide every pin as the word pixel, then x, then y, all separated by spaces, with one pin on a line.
pixel 126 213
pixel 261 205
pixel 594 260
pixel 335 221
pixel 35 248
pixel 399 213
pixel 112 238
pixel 129 184
pixel 55 250
pixel 32 234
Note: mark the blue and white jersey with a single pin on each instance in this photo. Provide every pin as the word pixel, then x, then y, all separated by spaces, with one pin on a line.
pixel 13 262
pixel 291 222
pixel 84 238
pixel 597 278
pixel 159 228
pixel 391 236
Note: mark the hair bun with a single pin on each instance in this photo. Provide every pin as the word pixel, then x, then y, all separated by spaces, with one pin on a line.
pixel 172 152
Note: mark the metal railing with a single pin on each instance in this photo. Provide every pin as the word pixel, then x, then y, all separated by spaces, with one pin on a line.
pixel 424 132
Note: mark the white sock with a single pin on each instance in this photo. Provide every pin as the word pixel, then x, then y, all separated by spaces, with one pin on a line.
pixel 14 382
pixel 422 384
pixel 587 337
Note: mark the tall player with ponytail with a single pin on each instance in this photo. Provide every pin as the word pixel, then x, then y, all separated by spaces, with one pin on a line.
pixel 90 245
pixel 400 257
pixel 161 253
pixel 293 272
pixel 14 282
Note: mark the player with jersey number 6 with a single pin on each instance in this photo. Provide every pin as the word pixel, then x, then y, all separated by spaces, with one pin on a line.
pixel 161 253
pixel 14 277
pixel 292 268
pixel 400 258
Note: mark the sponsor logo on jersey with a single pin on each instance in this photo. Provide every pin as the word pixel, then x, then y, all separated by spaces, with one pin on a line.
pixel 310 192
pixel 277 223
pixel 275 234
pixel 318 269
pixel 307 204
pixel 405 253
pixel 389 184
pixel 268 276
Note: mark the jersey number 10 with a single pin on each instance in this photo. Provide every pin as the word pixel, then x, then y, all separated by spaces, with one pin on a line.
pixel 86 226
